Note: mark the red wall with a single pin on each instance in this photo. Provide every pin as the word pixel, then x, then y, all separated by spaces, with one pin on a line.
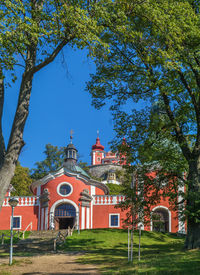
pixel 101 215
pixel 28 214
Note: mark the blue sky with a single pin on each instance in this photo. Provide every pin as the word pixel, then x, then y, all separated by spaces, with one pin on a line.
pixel 58 104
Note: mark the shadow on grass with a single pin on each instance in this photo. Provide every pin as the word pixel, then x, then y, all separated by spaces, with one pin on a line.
pixel 32 248
pixel 156 258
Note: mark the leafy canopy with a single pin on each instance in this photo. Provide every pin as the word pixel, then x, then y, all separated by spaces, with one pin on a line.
pixel 21 181
pixel 150 78
pixel 54 158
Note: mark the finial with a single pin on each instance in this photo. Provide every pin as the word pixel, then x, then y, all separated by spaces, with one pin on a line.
pixel 71 137
pixel 97 133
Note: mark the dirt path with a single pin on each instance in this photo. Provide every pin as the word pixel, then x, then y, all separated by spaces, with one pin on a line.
pixel 47 265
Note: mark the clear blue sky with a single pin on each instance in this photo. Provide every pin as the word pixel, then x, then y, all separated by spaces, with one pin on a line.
pixel 58 104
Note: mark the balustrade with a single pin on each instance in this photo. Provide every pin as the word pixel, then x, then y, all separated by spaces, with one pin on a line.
pixel 23 201
pixel 108 200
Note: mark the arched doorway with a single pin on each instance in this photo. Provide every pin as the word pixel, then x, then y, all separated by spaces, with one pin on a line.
pixel 160 220
pixel 65 216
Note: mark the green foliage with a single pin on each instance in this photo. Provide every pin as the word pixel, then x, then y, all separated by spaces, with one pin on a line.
pixel 21 181
pixel 32 34
pixel 54 158
pixel 141 193
pixel 107 248
pixel 151 79
pixel 44 24
pixel 114 189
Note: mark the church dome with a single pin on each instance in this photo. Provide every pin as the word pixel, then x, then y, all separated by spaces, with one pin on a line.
pixel 98 145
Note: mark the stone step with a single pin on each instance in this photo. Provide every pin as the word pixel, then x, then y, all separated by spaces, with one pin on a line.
pixel 37 242
pixel 46 234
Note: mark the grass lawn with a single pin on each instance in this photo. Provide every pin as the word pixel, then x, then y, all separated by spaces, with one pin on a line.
pixel 16 236
pixel 160 253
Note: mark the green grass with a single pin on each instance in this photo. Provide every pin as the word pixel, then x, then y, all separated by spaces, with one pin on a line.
pixel 15 238
pixel 160 253
pixel 5 273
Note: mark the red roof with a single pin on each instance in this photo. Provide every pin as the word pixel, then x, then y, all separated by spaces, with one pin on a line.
pixel 98 145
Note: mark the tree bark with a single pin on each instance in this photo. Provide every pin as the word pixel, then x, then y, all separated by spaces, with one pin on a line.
pixel 16 142
pixel 6 174
pixel 193 206
pixel 2 143
pixel 193 235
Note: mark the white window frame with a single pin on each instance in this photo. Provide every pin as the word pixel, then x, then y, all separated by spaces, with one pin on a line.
pixel 20 222
pixel 64 183
pixel 116 214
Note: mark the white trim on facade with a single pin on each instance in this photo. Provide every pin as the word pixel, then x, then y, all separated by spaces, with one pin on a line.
pixel 169 212
pixel 93 158
pixel 114 214
pixel 23 201
pixel 82 217
pixel 53 207
pixel 93 192
pixel 39 209
pixel 77 175
pixel 87 218
pixel 20 222
pixel 181 224
pixel 42 219
pixel 46 219
pixel 64 183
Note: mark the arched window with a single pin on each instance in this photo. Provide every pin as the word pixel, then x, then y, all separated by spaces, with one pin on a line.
pixel 160 218
pixel 65 210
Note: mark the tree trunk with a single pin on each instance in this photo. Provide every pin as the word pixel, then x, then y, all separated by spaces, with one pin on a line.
pixel 6 174
pixel 131 244
pixel 193 206
pixel 16 142
pixel 2 143
pixel 193 235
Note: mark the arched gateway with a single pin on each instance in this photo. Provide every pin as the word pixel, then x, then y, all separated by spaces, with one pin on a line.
pixel 65 216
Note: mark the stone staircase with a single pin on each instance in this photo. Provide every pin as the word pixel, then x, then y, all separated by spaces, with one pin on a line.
pixel 38 242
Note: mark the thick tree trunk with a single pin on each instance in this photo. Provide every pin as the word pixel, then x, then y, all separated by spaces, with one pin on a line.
pixel 6 174
pixel 193 235
pixel 193 206
pixel 16 142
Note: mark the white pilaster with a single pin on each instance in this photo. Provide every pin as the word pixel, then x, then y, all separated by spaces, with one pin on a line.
pixel 82 217
pixel 38 194
pixel 181 224
pixel 87 218
pixel 93 158
pixel 42 219
pixel 93 190
pixel 46 218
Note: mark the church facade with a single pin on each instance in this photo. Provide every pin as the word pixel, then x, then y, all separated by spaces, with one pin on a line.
pixel 69 197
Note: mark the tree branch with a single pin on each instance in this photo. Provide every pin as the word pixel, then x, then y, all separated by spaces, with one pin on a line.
pixel 192 96
pixel 195 103
pixel 2 142
pixel 51 57
pixel 179 134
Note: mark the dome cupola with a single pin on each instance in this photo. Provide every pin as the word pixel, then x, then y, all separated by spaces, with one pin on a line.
pixel 98 145
pixel 71 152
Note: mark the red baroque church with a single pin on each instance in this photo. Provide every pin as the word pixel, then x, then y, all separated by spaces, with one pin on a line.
pixel 70 197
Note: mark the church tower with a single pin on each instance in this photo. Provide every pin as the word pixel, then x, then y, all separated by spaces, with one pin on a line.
pixel 97 152
pixel 70 155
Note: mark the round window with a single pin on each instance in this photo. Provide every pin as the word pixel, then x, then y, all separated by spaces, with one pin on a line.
pixel 65 189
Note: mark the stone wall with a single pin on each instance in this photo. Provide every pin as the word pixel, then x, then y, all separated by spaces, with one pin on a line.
pixel 99 171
